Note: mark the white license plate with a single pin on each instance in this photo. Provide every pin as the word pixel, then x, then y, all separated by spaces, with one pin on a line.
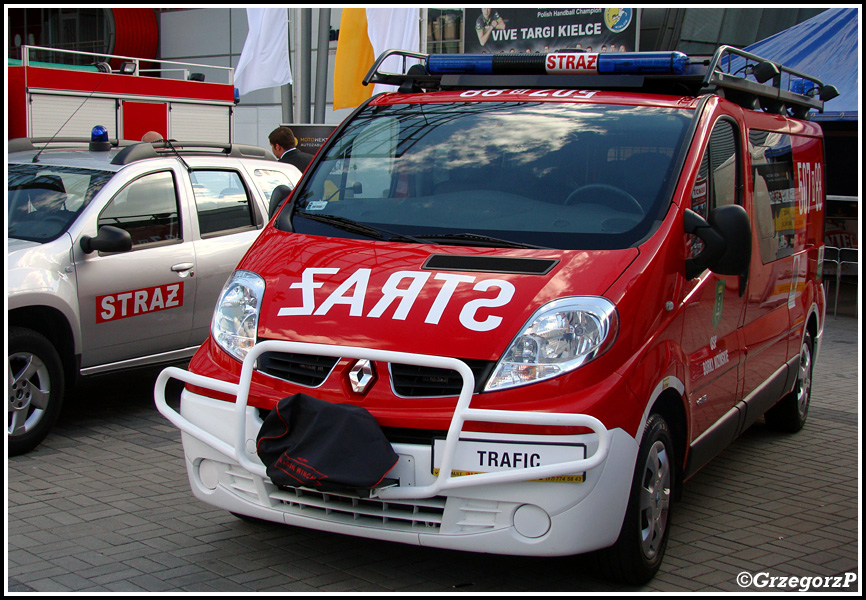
pixel 487 456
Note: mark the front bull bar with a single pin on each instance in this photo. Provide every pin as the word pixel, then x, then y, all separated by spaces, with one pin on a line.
pixel 462 413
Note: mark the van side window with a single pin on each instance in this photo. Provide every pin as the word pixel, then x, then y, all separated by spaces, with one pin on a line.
pixel 724 171
pixel 147 209
pixel 775 205
pixel 718 180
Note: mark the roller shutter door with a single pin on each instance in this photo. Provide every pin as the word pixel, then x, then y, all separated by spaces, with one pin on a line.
pixel 71 116
pixel 199 123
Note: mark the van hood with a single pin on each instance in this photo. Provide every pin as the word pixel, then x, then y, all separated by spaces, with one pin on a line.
pixel 464 302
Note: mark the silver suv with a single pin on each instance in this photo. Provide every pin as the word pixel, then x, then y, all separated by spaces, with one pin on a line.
pixel 116 256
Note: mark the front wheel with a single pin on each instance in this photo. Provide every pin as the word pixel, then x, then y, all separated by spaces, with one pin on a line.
pixel 35 389
pixel 636 556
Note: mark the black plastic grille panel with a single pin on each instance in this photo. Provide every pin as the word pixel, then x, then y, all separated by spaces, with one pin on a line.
pixel 411 381
pixel 303 369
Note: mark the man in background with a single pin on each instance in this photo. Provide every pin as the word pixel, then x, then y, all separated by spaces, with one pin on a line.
pixel 284 145
pixel 152 136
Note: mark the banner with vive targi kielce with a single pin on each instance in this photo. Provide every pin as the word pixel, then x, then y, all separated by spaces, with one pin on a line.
pixel 531 30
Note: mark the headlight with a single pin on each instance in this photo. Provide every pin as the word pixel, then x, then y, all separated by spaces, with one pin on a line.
pixel 560 337
pixel 236 317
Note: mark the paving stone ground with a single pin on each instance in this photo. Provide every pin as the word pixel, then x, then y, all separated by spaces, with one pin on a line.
pixel 104 506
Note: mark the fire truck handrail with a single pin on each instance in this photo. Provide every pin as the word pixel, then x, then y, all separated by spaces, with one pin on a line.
pixel 236 450
pixel 25 60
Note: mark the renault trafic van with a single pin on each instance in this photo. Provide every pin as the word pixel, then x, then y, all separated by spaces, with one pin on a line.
pixel 560 284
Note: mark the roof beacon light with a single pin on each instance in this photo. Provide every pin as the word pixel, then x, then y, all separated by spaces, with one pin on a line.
pixel 560 63
pixel 804 87
pixel 99 141
pixel 99 134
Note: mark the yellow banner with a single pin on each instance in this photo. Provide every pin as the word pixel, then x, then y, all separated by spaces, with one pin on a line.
pixel 354 58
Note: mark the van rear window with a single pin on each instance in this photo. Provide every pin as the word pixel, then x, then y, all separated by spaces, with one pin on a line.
pixel 575 176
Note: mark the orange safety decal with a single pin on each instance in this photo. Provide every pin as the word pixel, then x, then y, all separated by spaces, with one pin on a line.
pixel 121 305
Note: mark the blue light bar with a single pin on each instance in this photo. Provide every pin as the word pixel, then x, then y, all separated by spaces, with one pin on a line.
pixel 634 63
pixel 440 64
pixel 560 63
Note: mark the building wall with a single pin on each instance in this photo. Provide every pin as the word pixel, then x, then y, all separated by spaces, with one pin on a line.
pixel 215 36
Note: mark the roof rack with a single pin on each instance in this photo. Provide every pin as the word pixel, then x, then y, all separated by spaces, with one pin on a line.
pixel 27 144
pixel 747 79
pixel 144 150
pixel 133 151
pixel 776 88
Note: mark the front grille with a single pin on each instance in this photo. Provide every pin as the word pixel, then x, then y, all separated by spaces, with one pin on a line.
pixel 411 381
pixel 408 381
pixel 396 515
pixel 303 369
pixel 422 515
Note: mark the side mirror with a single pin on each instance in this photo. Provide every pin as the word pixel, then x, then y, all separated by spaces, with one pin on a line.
pixel 108 239
pixel 727 241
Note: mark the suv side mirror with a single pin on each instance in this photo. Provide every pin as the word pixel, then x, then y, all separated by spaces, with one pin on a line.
pixel 727 241
pixel 108 239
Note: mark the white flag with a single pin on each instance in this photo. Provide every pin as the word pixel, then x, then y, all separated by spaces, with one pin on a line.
pixel 264 60
pixel 393 28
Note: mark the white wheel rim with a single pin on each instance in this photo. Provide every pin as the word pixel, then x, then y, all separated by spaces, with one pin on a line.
pixel 29 392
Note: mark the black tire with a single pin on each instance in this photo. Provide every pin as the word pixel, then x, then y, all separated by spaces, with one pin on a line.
pixel 36 389
pixel 636 556
pixel 789 414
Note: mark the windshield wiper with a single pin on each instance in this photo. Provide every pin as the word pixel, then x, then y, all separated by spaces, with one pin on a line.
pixel 474 239
pixel 356 227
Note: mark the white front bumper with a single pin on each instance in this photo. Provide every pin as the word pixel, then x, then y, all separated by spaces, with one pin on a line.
pixel 506 512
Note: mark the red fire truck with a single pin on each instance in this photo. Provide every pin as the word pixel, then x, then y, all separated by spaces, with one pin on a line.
pixel 127 96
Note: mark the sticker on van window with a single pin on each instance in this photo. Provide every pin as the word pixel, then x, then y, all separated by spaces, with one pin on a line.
pixel 317 205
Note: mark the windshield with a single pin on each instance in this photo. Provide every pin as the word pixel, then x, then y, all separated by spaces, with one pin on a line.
pixel 44 200
pixel 569 176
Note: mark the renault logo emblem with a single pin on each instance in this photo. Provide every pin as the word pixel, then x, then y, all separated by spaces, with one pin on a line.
pixel 362 376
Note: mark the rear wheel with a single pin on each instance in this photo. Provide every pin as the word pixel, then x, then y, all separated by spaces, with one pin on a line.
pixel 789 414
pixel 35 389
pixel 640 548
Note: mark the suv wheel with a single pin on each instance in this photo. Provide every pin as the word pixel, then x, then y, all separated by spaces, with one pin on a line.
pixel 35 389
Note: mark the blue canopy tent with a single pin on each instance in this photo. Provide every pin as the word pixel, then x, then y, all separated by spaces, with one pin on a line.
pixel 825 47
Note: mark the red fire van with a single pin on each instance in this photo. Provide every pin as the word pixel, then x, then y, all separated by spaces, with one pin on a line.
pixel 560 284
